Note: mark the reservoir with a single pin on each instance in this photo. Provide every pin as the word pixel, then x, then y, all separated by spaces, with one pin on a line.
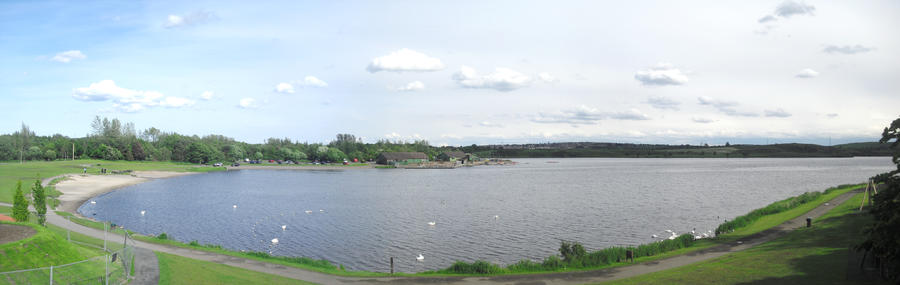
pixel 361 217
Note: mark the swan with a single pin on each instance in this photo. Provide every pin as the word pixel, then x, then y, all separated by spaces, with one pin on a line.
pixel 669 231
pixel 431 223
pixel 308 212
pixel 142 212
pixel 698 237
pixel 321 211
pixel 93 202
pixel 283 227
pixel 496 217
pixel 274 241
pixel 234 206
pixel 420 257
pixel 654 236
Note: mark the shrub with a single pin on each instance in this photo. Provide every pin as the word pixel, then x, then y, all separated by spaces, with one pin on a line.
pixel 162 236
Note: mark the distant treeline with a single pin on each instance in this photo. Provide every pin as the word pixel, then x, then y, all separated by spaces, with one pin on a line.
pixel 671 151
pixel 114 140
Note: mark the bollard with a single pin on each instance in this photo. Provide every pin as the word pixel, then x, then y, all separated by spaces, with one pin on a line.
pixel 392 266
pixel 808 222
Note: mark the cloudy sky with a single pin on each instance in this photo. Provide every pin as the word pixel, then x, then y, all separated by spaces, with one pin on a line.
pixel 457 72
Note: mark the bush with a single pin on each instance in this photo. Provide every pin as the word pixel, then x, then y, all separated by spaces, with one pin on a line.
pixel 162 236
pixel 194 243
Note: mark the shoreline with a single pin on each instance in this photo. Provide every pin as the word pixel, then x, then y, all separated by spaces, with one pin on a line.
pixel 79 188
pixel 300 167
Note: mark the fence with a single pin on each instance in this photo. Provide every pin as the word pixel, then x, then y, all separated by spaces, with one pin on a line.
pixel 113 268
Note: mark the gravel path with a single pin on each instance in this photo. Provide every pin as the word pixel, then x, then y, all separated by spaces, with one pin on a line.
pixel 146 267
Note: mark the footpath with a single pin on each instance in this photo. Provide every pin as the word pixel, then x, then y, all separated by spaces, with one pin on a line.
pixel 582 277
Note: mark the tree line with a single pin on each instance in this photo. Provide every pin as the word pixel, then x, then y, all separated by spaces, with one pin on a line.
pixel 111 139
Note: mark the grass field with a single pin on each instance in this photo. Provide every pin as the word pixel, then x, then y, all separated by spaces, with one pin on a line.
pixel 29 171
pixel 817 255
pixel 175 269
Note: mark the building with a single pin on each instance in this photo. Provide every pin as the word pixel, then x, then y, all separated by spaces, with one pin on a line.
pixel 402 158
pixel 459 156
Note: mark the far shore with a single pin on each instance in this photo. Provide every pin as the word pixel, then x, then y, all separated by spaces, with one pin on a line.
pixel 79 188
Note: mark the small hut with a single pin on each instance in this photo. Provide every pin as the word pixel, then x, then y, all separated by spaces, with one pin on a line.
pixel 402 158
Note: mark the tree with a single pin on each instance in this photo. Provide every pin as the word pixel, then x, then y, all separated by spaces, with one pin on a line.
pixel 883 239
pixel 49 155
pixel 258 156
pixel 20 205
pixel 334 154
pixel 40 201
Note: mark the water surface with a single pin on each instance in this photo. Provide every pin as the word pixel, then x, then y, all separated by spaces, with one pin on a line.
pixel 502 214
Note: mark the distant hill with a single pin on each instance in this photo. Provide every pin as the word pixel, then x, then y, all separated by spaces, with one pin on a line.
pixel 593 149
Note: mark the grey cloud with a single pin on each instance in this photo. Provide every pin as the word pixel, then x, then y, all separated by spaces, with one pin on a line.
pixel 702 120
pixel 847 49
pixel 660 75
pixel 790 8
pixel 726 107
pixel 584 115
pixel 767 18
pixel 663 103
pixel 778 113
pixel 831 115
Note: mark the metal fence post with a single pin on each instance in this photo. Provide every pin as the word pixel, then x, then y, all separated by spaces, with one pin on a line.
pixel 51 274
pixel 106 276
pixel 68 236
pixel 105 229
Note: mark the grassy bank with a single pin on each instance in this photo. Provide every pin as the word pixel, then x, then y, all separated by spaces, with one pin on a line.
pixel 175 269
pixel 817 255
pixel 758 220
pixel 31 170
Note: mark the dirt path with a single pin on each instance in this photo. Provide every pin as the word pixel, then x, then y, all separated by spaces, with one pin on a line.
pixel 146 267
pixel 550 278
pixel 11 233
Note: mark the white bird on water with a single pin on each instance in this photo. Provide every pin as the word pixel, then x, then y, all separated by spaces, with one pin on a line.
pixel 308 212
pixel 93 202
pixel 431 223
pixel 142 212
pixel 654 236
pixel 274 241
pixel 234 206
pixel 496 217
pixel 420 257
pixel 320 210
pixel 283 227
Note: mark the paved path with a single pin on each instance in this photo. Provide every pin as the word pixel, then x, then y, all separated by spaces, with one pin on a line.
pixel 533 279
pixel 146 267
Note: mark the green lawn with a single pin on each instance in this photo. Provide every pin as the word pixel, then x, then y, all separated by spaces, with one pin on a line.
pixel 175 269
pixel 817 255
pixel 29 171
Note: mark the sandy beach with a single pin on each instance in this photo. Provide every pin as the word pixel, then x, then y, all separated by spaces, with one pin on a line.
pixel 79 188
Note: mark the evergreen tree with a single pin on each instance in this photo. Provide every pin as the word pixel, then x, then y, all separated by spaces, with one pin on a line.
pixel 40 201
pixel 20 205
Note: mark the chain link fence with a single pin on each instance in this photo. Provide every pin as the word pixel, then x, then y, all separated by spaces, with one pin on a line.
pixel 115 267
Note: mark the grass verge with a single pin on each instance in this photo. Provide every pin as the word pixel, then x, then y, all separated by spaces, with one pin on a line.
pixel 817 255
pixel 175 269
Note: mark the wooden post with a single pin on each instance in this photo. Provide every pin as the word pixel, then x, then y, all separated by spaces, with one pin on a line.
pixel 392 265
pixel 865 195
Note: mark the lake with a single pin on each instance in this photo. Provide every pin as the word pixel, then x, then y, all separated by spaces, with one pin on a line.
pixel 360 218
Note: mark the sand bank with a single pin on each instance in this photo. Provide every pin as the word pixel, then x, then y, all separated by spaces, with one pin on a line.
pixel 79 188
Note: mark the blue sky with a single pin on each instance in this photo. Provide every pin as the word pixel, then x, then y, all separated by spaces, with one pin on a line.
pixel 457 72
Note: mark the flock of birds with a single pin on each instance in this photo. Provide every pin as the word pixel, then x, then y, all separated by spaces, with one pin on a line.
pixel 674 235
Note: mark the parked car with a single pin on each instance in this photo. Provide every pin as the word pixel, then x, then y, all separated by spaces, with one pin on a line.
pixel 235 164
pixel 217 164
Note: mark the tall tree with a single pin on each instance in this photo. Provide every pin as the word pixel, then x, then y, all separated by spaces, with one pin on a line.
pixel 40 201
pixel 883 239
pixel 20 205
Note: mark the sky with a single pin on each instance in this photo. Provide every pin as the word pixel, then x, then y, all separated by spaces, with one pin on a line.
pixel 457 72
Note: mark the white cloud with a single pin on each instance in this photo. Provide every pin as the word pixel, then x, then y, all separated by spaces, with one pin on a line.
pixel 68 56
pixel 547 77
pixel 195 18
pixel 412 86
pixel 405 60
pixel 584 115
pixel 702 120
pixel 312 81
pixel 726 107
pixel 502 79
pixel 790 8
pixel 663 103
pixel 807 73
pixel 489 124
pixel 207 95
pixel 831 115
pixel 662 74
pixel 778 113
pixel 247 103
pixel 847 49
pixel 127 100
pixel 285 88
